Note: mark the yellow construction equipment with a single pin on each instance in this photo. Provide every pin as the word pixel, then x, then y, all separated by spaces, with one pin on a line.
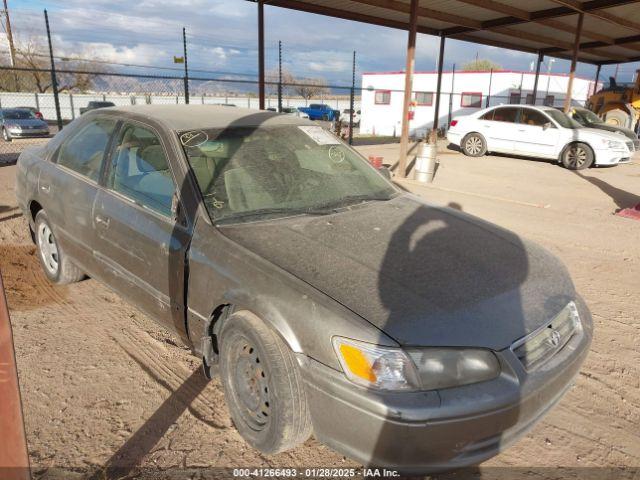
pixel 618 104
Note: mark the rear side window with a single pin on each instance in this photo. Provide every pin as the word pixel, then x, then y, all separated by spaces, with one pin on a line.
pixel 488 115
pixel 507 114
pixel 140 171
pixel 84 151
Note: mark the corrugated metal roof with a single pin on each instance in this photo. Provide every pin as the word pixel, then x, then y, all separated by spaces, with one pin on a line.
pixel 611 28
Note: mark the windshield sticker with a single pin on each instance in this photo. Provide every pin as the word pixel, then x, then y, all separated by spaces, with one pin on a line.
pixel 336 154
pixel 320 135
pixel 194 138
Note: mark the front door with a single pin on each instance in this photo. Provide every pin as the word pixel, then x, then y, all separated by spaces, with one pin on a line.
pixel 536 135
pixel 141 244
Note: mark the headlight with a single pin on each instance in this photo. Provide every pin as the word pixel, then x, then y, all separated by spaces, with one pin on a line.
pixel 389 368
pixel 453 367
pixel 13 126
pixel 374 366
pixel 613 144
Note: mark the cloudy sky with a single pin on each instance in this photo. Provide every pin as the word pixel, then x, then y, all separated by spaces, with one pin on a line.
pixel 222 38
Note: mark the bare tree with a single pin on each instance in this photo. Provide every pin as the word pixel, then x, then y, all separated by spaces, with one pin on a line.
pixel 480 65
pixel 272 78
pixel 32 54
pixel 310 87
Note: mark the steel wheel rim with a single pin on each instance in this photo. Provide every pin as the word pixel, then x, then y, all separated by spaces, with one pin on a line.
pixel 250 384
pixel 576 156
pixel 48 249
pixel 474 145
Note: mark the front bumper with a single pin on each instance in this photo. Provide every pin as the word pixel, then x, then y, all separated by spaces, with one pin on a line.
pixel 28 133
pixel 612 157
pixel 418 432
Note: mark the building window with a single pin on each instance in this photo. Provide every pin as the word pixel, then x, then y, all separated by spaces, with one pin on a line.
pixel 383 97
pixel 423 98
pixel 549 100
pixel 529 98
pixel 471 99
pixel 514 97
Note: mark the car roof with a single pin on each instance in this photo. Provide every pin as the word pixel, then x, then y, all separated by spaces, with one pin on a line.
pixel 190 117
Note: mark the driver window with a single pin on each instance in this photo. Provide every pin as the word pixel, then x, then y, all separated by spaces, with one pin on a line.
pixel 140 171
pixel 533 118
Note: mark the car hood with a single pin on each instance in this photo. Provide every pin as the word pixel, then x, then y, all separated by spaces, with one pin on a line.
pixel 424 275
pixel 616 130
pixel 590 133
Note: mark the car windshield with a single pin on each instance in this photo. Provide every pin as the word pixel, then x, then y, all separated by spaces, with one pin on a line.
pixel 562 119
pixel 587 116
pixel 18 114
pixel 249 173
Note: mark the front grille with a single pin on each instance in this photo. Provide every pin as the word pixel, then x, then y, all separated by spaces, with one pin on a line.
pixel 540 346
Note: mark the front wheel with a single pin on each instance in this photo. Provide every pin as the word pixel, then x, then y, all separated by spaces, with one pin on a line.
pixel 5 135
pixel 474 145
pixel 263 386
pixel 577 156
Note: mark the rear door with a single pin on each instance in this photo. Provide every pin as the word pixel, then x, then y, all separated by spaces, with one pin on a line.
pixel 67 188
pixel 537 135
pixel 142 239
pixel 500 129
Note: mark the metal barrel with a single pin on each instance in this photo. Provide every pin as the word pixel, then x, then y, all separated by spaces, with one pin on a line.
pixel 426 162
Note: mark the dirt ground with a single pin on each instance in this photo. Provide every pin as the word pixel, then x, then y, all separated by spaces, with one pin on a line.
pixel 104 387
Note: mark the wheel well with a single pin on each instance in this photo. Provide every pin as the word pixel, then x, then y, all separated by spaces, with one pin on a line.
pixel 34 208
pixel 574 142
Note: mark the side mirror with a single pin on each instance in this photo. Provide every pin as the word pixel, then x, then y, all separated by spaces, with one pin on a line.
pixel 385 172
pixel 547 125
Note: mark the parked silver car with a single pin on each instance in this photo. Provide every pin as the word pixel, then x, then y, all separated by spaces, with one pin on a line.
pixel 20 123
pixel 400 333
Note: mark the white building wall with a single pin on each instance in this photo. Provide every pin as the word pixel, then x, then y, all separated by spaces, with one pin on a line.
pixel 387 119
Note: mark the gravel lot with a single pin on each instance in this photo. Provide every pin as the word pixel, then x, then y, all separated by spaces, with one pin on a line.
pixel 103 386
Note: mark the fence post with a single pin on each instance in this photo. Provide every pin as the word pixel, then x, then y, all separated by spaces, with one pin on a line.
pixel 453 76
pixel 37 101
pixel 279 76
pixel 54 80
pixel 186 69
pixel 73 110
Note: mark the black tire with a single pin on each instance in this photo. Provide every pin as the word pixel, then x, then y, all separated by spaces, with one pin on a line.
pixel 5 135
pixel 577 156
pixel 263 386
pixel 325 117
pixel 474 145
pixel 56 265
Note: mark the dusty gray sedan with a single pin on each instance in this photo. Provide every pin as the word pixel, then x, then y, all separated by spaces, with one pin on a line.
pixel 400 333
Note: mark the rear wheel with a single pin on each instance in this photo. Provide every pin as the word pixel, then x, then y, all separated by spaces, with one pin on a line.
pixel 263 386
pixel 617 117
pixel 577 156
pixel 474 145
pixel 56 265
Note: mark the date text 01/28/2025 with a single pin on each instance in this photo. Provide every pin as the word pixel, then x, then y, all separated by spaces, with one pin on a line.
pixel 316 472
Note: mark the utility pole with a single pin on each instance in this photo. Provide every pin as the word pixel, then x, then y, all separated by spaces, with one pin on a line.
pixel 279 76
pixel 352 99
pixel 12 48
pixel 186 68
pixel 54 80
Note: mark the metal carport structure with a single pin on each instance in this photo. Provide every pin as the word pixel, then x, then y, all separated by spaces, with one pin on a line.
pixel 568 29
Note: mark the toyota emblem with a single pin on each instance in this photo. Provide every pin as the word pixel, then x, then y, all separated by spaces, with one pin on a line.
pixel 554 339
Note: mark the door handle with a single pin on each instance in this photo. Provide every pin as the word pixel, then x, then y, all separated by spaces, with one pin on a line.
pixel 45 188
pixel 521 130
pixel 103 221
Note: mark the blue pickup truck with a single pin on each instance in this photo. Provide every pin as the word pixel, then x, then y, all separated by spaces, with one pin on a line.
pixel 320 111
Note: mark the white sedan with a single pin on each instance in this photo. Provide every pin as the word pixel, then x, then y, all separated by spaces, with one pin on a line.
pixel 541 132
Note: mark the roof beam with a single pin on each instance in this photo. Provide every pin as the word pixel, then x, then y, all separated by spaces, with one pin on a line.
pixel 603 15
pixel 622 41
pixel 560 11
